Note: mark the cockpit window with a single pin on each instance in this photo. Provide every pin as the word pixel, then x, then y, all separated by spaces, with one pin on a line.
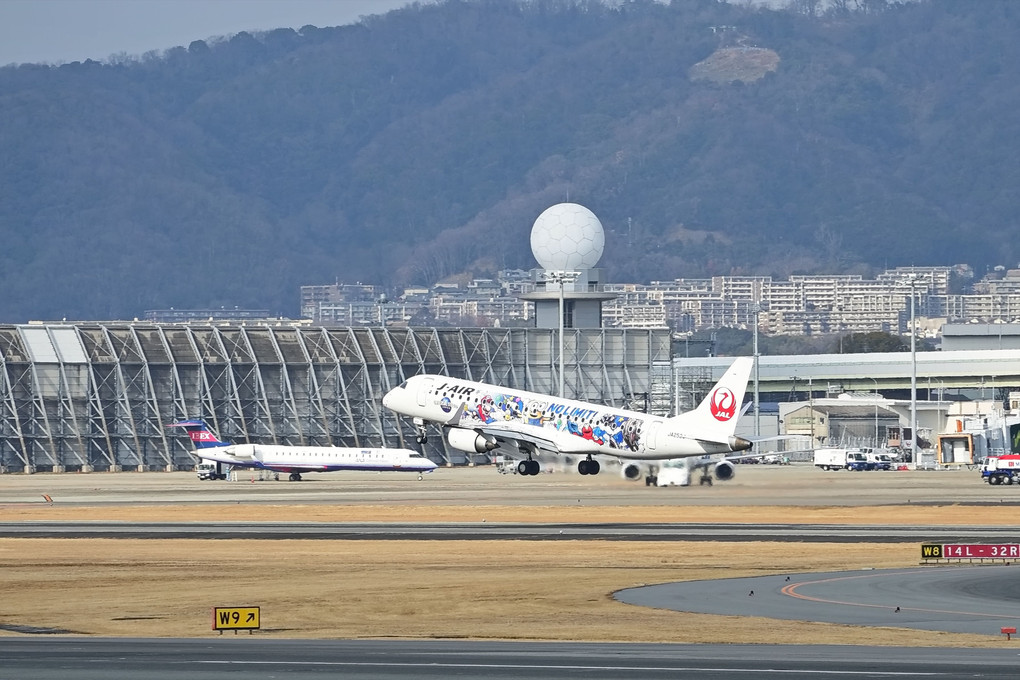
pixel 402 385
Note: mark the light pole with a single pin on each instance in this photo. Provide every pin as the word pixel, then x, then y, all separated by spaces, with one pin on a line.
pixel 913 376
pixel 561 277
pixel 811 408
pixel 875 445
pixel 561 336
pixel 757 422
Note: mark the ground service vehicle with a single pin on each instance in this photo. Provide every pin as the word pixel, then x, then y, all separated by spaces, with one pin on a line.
pixel 880 461
pixel 842 459
pixel 1001 469
pixel 210 469
pixel 671 473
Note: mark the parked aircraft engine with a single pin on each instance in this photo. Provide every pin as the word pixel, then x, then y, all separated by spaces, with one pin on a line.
pixel 468 440
pixel 724 470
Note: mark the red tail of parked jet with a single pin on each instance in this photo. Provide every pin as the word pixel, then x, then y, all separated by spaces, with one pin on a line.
pixel 201 436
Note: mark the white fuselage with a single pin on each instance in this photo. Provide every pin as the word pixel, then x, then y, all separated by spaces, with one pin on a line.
pixel 512 417
pixel 317 458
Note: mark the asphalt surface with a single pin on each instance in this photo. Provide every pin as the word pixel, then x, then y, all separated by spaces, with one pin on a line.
pixel 754 485
pixel 957 599
pixel 487 531
pixel 253 658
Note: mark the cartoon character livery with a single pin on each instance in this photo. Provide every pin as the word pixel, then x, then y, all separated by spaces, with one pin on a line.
pixel 564 426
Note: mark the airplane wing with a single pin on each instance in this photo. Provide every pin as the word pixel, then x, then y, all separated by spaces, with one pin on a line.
pixel 541 438
pixel 737 458
pixel 710 461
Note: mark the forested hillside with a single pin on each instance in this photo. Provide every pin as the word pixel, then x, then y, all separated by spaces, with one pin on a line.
pixel 710 138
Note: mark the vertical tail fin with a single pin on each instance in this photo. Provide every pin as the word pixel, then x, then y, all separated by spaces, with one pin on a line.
pixel 716 417
pixel 201 436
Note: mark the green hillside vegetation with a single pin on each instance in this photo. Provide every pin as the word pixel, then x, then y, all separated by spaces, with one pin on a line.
pixel 424 143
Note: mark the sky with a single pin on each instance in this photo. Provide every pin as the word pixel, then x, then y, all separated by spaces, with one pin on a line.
pixel 62 31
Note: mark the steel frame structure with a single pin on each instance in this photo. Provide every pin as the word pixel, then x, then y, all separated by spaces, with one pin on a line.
pixel 100 396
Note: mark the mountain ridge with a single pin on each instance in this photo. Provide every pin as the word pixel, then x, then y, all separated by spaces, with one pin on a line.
pixel 424 143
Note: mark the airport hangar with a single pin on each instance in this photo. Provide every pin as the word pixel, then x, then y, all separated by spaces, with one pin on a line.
pixel 99 397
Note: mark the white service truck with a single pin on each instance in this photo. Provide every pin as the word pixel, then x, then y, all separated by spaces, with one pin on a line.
pixel 1001 469
pixel 672 473
pixel 210 469
pixel 880 461
pixel 842 459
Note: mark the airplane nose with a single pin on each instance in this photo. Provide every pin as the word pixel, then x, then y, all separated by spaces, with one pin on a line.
pixel 387 399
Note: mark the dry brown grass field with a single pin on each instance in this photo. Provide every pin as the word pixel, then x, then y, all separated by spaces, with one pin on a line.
pixel 480 589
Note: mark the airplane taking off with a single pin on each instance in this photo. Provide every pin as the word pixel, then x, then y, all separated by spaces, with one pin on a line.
pixel 300 459
pixel 480 418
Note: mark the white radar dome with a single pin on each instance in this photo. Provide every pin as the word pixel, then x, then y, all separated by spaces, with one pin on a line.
pixel 567 236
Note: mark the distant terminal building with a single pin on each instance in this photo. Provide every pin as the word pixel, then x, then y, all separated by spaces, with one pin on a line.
pixel 99 396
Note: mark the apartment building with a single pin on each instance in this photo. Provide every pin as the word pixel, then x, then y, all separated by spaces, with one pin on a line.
pixel 801 304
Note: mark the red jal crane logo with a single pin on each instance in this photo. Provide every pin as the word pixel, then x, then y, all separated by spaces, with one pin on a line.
pixel 723 404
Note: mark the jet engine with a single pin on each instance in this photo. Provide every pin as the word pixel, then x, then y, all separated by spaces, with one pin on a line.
pixel 631 471
pixel 724 470
pixel 468 440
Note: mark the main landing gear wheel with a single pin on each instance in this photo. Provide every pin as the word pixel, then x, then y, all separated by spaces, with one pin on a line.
pixel 295 476
pixel 588 466
pixel 528 467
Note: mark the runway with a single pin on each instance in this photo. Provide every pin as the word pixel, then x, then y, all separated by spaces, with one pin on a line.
pixel 257 659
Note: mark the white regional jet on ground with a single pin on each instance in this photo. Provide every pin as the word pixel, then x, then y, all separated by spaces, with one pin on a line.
pixel 299 459
pixel 482 418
